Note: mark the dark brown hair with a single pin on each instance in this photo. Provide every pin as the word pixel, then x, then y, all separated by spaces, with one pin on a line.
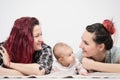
pixel 102 33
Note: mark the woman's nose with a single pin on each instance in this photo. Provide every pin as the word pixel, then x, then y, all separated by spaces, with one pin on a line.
pixel 81 45
pixel 40 38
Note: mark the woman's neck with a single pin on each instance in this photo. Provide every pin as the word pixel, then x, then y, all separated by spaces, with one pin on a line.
pixel 100 56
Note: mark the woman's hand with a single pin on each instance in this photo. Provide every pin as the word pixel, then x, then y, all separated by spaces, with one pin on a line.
pixel 88 64
pixel 5 56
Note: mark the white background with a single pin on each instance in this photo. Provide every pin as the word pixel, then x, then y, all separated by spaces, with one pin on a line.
pixel 61 20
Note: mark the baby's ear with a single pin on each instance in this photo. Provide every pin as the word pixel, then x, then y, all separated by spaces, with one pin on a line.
pixel 60 59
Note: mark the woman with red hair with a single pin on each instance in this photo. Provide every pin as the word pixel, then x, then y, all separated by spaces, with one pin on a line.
pixel 24 52
pixel 98 52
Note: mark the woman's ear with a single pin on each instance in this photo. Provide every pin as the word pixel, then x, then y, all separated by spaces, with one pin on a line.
pixel 101 47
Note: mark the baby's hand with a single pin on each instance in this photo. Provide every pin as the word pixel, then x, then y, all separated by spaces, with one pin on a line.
pixel 83 72
pixel 80 70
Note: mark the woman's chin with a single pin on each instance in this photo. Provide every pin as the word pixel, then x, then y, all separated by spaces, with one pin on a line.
pixel 84 55
pixel 39 48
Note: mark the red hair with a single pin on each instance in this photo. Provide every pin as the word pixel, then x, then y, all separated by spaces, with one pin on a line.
pixel 19 44
pixel 108 24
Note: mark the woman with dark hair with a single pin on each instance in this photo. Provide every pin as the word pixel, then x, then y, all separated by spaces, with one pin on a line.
pixel 98 52
pixel 24 52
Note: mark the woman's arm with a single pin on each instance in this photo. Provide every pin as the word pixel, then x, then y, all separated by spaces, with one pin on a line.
pixel 9 72
pixel 99 66
pixel 42 63
pixel 4 61
pixel 27 69
pixel 107 67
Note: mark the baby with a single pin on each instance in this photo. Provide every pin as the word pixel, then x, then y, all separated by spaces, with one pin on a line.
pixel 66 60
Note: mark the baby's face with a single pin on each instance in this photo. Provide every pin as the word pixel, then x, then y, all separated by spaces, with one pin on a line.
pixel 68 56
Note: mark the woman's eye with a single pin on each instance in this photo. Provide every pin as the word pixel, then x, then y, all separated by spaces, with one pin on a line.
pixel 85 42
pixel 36 36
